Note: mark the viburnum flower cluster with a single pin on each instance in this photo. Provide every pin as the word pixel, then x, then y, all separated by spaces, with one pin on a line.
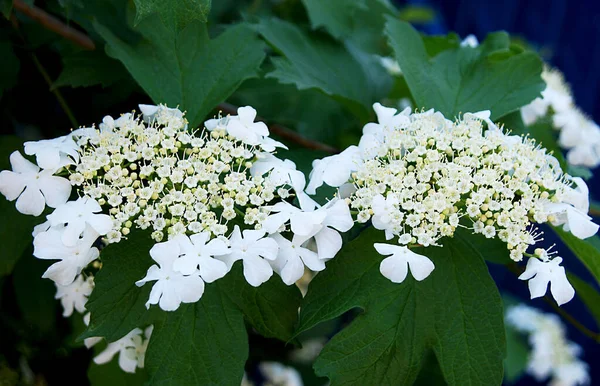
pixel 419 176
pixel 209 197
pixel 552 355
pixel 578 133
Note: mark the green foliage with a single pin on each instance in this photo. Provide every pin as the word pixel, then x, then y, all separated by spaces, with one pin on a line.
pixel 456 313
pixel 199 344
pixel 189 70
pixel 517 352
pixel 588 295
pixel 84 69
pixel 345 73
pixel 587 251
pixel 491 77
pixel 175 14
pixel 337 16
pixel 10 66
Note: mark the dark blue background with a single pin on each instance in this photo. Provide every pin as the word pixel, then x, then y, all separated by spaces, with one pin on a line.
pixel 567 35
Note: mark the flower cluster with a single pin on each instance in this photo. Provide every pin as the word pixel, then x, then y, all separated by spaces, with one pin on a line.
pixel 552 354
pixel 578 133
pixel 419 176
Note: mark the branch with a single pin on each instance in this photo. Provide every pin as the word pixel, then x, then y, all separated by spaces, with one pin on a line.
pixel 54 24
pixel 286 133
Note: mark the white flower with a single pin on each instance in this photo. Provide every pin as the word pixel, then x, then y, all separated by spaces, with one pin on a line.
pixel 390 65
pixel 470 41
pixel 327 239
pixel 387 120
pixel 282 171
pixel 74 295
pixel 252 248
pixel 127 347
pixel 77 215
pixel 171 288
pixel 245 129
pixel 302 223
pixel 53 153
pixel 574 220
pixel 276 374
pixel 292 257
pixel 196 251
pixel 48 245
pixel 395 267
pixel 34 188
pixel 334 170
pixel 383 210
pixel 542 271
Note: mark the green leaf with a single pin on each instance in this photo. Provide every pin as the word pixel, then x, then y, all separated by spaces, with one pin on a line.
pixel 174 14
pixel 456 313
pixel 9 70
pixel 191 70
pixel 345 73
pixel 91 68
pixel 6 8
pixel 492 76
pixel 337 16
pixel 587 251
pixel 517 352
pixel 199 344
pixel 417 14
pixel 588 295
pixel 116 303
pixel 15 227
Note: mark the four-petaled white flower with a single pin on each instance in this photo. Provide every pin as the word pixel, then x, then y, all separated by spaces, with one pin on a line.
pixel 245 129
pixel 542 271
pixel 301 223
pixel 292 258
pixel 34 188
pixel 383 210
pixel 53 153
pixel 334 170
pixel 131 349
pixel 574 220
pixel 77 215
pixel 395 267
pixel 172 287
pixel 252 248
pixel 74 295
pixel 49 246
pixel 196 251
pixel 337 217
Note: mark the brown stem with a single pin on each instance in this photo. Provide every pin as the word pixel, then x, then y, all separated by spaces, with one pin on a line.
pixel 518 270
pixel 286 133
pixel 54 24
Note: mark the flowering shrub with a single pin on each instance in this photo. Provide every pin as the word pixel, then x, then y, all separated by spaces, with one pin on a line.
pixel 195 243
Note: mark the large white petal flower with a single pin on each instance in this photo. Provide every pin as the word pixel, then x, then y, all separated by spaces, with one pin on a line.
pixel 396 266
pixel 387 120
pixel 171 288
pixel 383 210
pixel 338 218
pixel 196 251
pixel 574 220
pixel 278 374
pixel 53 153
pixel 334 170
pixel 77 215
pixel 283 172
pixel 48 245
pixel 74 295
pixel 540 273
pixel 34 188
pixel 302 223
pixel 122 347
pixel 292 258
pixel 252 248
pixel 245 129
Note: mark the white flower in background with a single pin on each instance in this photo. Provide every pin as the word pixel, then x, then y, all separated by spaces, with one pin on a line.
pixel 388 119
pixel 395 267
pixel 553 355
pixel 33 187
pixel 131 349
pixel 75 295
pixel 245 129
pixel 292 258
pixel 301 223
pixel 53 153
pixel 171 288
pixel 309 351
pixel 151 112
pixel 77 215
pixel 49 246
pixel 276 374
pixel 470 41
pixel 334 170
pixel 391 65
pixel 252 247
pixel 337 218
pixel 195 251
pixel 541 271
